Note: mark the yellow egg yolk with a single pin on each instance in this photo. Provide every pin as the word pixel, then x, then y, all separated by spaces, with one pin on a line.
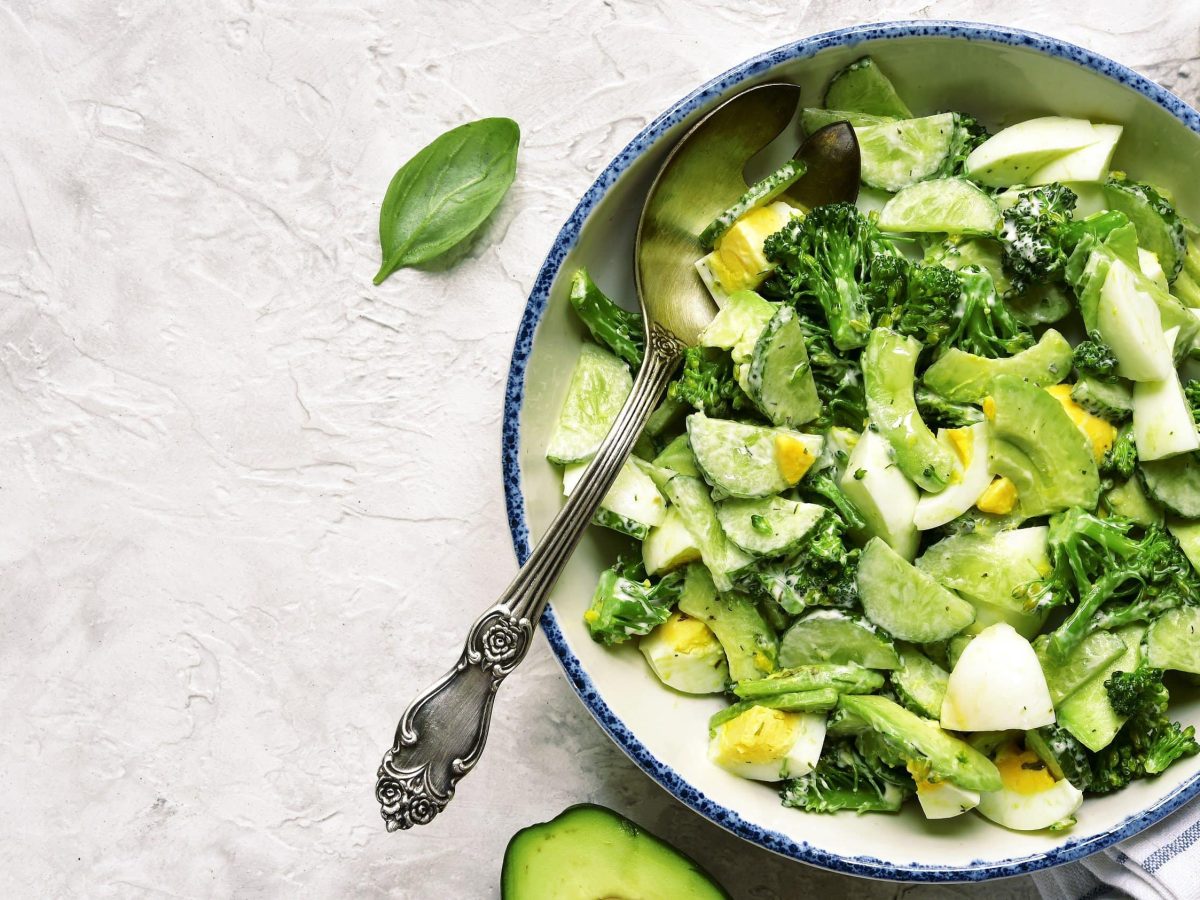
pixel 1099 433
pixel 737 259
pixel 685 634
pixel 792 457
pixel 759 735
pixel 1022 771
pixel 1000 498
pixel 963 442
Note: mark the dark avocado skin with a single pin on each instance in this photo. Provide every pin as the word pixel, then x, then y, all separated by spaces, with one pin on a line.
pixel 542 861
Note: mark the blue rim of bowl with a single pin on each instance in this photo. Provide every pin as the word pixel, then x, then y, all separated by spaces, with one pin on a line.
pixel 868 866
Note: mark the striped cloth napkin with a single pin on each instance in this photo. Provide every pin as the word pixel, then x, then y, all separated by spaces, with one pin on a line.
pixel 1160 863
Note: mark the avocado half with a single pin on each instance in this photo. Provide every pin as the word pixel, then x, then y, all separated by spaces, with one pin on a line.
pixel 588 852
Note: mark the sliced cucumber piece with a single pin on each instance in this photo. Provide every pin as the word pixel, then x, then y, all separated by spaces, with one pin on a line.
pixel 780 377
pixel 862 87
pixel 885 498
pixel 1159 228
pixel 1087 713
pixel 737 326
pixel 1162 418
pixel 723 558
pixel 889 363
pixel 677 456
pixel 1015 153
pixel 1093 654
pixel 845 679
pixel 1082 167
pixel 1064 756
pixel 633 496
pixel 750 461
pixel 759 194
pixel 773 526
pixel 905 601
pixel 942 206
pixel 597 391
pixel 967 378
pixel 1188 535
pixel 1173 641
pixel 812 118
pixel 1110 400
pixel 1129 499
pixel 920 683
pixel 1175 483
pixel 832 636
pixel 897 154
pixel 1129 322
pixel 750 645
pixel 669 545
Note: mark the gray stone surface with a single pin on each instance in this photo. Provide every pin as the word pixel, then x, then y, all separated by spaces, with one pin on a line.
pixel 249 501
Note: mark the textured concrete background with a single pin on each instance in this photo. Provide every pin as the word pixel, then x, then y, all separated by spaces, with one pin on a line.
pixel 249 502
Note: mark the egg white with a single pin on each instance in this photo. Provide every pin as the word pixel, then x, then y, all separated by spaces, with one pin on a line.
pixel 997 684
pixel 967 483
pixel 808 731
pixel 945 800
pixel 1031 812
pixel 694 670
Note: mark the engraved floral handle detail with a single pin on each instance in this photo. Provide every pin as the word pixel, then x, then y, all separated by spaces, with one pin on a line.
pixel 442 733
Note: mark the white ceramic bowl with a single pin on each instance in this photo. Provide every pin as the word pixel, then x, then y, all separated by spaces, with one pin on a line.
pixel 999 75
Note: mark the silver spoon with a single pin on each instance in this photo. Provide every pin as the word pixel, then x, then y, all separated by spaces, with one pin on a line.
pixel 442 733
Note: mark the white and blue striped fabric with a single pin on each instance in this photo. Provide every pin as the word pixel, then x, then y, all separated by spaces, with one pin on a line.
pixel 1160 863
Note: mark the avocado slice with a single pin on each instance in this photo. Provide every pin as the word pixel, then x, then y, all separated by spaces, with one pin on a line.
pixel 588 851
pixel 966 378
pixel 749 641
pixel 923 742
pixel 1036 445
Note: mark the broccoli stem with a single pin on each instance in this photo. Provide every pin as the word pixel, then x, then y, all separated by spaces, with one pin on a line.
pixel 617 329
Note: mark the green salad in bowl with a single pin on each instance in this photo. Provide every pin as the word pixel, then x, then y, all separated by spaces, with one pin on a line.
pixel 924 506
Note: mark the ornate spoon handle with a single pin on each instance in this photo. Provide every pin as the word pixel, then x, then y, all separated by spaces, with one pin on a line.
pixel 442 733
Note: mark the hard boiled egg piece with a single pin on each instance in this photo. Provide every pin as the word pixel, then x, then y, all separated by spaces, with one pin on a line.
pixel 1031 799
pixel 686 655
pixel 997 684
pixel 968 481
pixel 768 744
pixel 943 799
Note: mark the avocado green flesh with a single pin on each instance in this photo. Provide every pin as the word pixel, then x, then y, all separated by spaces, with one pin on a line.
pixel 780 376
pixel 1175 483
pixel 923 740
pixel 589 852
pixel 967 378
pixel 749 642
pixel 1037 446
pixel 889 363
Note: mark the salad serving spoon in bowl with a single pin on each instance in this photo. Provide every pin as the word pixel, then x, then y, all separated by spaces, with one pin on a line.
pixel 442 732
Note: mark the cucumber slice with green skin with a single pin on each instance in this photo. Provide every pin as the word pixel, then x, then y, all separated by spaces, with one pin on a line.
pixel 818 700
pixel 813 119
pixel 780 378
pixel 772 526
pixel 1015 153
pixel 1188 535
pixel 905 601
pixel 597 391
pixel 920 683
pixel 737 326
pixel 745 461
pixel 1173 640
pixel 1186 290
pixel 1039 304
pixel 1112 401
pixel 723 558
pixel 1079 167
pixel 1129 499
pixel 1129 322
pixel 897 154
pixel 967 378
pixel 886 499
pixel 942 206
pixel 759 194
pixel 1037 446
pixel 845 679
pixel 606 518
pixel 862 87
pixel 924 743
pixel 831 636
pixel 1162 417
pixel 633 496
pixel 1159 228
pixel 669 546
pixel 1064 756
pixel 1175 483
pixel 677 456
pixel 889 365
pixel 751 647
pixel 1094 654
pixel 1087 713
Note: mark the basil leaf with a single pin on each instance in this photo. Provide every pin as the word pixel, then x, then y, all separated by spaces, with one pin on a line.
pixel 445 192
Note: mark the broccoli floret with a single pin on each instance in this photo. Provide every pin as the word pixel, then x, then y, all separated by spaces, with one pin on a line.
pixel 1032 235
pixel 968 134
pixel 844 779
pixel 824 257
pixel 822 573
pixel 1191 390
pixel 1095 358
pixel 1149 741
pixel 826 488
pixel 938 412
pixel 707 382
pixel 838 378
pixel 613 327
pixel 627 603
pixel 986 326
pixel 1099 560
pixel 928 306
pixel 1120 460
